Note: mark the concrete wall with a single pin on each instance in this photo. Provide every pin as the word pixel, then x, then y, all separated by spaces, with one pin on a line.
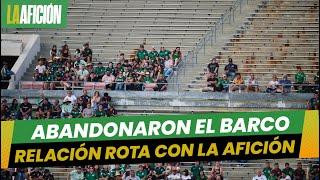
pixel 137 101
pixel 31 44
pixel 11 48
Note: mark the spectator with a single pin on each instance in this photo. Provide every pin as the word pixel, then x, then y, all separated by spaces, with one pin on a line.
pixel 70 97
pixel 223 84
pixel 77 174
pixel 176 56
pixel 59 74
pixel 65 54
pixel 5 114
pixel 175 175
pixel 160 171
pixel 288 171
pixel 53 52
pixel 300 78
pixel 216 171
pixel 117 172
pixel 141 173
pixel 273 85
pixel 108 79
pixel 25 109
pixel 299 173
pixel 252 84
pixel 87 112
pixel 35 174
pixel 230 69
pixel 91 175
pixel 259 176
pixel 196 169
pixel 47 175
pixel 76 112
pixel 163 53
pixel 161 84
pixel 203 176
pixel 267 170
pixel 41 68
pixel 49 78
pixel 149 84
pixel 213 67
pixel 212 82
pixel 82 74
pixel 168 64
pixel 6 72
pixel 285 84
pixel 284 177
pixel 95 100
pixel 100 70
pixel 44 110
pixel 66 81
pixel 186 176
pixel 85 98
pixel 314 103
pixel 100 112
pixel 276 171
pixel 86 53
pixel 14 108
pixel 130 83
pixel 316 81
pixel 153 54
pixel 120 79
pixel 132 176
pixel 66 109
pixel 80 62
pixel 56 109
pixel 106 97
pixel 237 83
pixel 141 53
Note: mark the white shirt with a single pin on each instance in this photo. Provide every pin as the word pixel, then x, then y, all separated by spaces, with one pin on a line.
pixel 273 84
pixel 262 177
pixel 183 177
pixel 286 178
pixel 41 68
pixel 174 176
pixel 72 98
pixel 168 63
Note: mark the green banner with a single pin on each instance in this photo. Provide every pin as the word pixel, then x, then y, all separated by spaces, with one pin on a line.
pixel 34 14
pixel 158 127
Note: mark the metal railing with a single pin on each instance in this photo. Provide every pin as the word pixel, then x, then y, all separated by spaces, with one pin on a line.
pixel 211 36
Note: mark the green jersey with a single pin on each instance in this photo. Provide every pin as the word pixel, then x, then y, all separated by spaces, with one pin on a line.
pixel 120 79
pixel 110 69
pixel 159 170
pixel 165 53
pixel 103 173
pixel 300 77
pixel 75 113
pixel 142 54
pixel 175 56
pixel 267 171
pixel 152 55
pixel 141 174
pixel 195 170
pixel 148 79
pixel 116 172
pixel 50 77
pixel 100 113
pixel 91 176
pixel 288 171
pixel 272 178
pixel 224 83
pixel 100 70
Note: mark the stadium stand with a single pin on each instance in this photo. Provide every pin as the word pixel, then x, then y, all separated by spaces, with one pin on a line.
pixel 279 37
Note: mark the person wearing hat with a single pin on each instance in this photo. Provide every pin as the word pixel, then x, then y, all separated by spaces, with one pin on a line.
pixel 141 53
pixel 231 69
pixel 66 109
pixel 86 53
pixel 299 79
pixel 213 66
pixel 25 109
pixel 100 70
pixel 175 175
pixel 77 174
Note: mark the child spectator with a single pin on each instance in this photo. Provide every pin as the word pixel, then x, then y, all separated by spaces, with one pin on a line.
pixel 252 84
pixel 237 83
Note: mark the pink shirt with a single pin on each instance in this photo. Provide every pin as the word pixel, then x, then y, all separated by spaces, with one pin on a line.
pixel 108 79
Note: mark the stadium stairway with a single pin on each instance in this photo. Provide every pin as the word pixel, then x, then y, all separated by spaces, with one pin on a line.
pixel 286 30
pixel 193 67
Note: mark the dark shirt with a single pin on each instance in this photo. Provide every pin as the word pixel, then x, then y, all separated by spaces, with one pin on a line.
pixel 25 107
pixel 231 67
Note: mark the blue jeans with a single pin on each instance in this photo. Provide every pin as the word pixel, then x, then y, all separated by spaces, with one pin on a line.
pixel 167 72
pixel 119 86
